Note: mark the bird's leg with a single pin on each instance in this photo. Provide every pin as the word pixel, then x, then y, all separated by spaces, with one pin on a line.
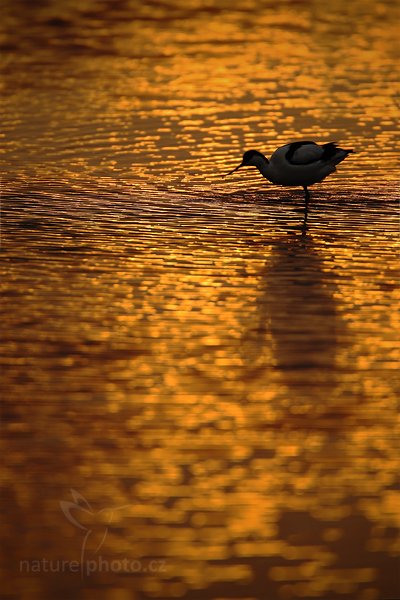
pixel 307 194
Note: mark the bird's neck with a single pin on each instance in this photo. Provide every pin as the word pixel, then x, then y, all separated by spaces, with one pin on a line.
pixel 262 165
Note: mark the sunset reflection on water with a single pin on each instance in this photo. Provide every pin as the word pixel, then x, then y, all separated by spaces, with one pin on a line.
pixel 207 387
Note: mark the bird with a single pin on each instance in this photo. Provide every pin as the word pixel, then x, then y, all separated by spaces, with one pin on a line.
pixel 296 164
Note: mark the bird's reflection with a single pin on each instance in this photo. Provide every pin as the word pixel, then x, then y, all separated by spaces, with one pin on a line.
pixel 296 310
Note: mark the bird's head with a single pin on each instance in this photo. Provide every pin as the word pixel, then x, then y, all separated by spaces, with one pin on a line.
pixel 251 158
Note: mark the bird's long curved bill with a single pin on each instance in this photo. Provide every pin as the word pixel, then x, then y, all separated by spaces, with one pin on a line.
pixel 235 169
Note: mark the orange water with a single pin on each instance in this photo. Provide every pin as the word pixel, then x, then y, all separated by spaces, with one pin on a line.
pixel 215 381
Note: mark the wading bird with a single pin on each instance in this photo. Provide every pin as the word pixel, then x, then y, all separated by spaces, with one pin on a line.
pixel 297 164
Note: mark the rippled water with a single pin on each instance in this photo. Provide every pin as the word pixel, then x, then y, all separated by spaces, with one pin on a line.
pixel 209 385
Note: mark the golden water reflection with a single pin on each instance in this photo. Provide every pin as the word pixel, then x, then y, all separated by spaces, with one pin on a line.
pixel 210 386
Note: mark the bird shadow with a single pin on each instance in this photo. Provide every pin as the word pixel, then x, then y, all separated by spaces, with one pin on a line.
pixel 297 318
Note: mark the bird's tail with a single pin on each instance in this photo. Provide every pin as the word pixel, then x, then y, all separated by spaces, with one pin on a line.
pixel 333 154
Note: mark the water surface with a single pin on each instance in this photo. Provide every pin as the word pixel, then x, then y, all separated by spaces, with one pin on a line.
pixel 214 380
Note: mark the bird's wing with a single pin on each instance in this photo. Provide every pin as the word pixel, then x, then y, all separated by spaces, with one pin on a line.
pixel 304 153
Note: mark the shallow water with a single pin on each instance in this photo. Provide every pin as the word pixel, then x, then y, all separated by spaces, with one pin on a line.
pixel 211 385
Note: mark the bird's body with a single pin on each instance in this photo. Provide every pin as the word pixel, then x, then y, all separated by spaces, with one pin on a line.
pixel 297 164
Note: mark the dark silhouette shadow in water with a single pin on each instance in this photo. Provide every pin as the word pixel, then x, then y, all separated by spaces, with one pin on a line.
pixel 303 317
pixel 297 317
pixel 304 225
